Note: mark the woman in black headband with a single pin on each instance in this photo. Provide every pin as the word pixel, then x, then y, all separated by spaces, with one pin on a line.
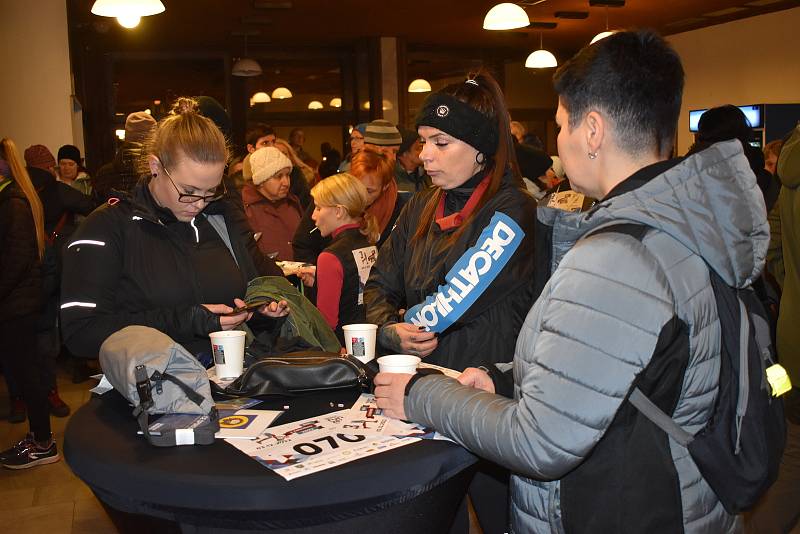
pixel 470 319
pixel 460 259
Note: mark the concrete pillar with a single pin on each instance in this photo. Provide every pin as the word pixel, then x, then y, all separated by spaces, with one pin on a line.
pixel 36 96
pixel 389 79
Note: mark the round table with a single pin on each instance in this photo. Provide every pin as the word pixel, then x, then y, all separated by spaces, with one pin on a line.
pixel 216 488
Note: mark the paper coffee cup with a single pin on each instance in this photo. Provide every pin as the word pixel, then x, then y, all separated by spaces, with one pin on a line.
pixel 228 349
pixel 399 363
pixel 359 340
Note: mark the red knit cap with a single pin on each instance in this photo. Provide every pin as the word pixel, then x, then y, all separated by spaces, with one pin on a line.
pixel 40 157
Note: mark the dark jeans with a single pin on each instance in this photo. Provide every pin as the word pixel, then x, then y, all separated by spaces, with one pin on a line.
pixel 23 361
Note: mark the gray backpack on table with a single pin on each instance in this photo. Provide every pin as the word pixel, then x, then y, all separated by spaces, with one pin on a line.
pixel 159 376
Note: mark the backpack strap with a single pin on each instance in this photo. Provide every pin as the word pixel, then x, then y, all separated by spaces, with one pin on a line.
pixel 144 387
pixel 659 418
pixel 639 400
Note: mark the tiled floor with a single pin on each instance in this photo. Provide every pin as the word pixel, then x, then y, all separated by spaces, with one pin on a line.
pixel 48 499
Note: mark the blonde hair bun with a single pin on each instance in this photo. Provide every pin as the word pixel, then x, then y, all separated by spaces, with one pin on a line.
pixel 184 105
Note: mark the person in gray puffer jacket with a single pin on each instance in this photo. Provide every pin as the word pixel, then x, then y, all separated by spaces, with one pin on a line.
pixel 583 459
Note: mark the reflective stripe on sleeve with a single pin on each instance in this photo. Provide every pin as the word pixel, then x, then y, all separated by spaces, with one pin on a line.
pixel 78 304
pixel 87 242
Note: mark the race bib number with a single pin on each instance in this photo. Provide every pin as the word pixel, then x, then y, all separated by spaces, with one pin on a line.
pixel 472 274
pixel 365 258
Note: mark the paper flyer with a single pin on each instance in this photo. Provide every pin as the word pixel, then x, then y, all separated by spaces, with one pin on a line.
pixel 304 447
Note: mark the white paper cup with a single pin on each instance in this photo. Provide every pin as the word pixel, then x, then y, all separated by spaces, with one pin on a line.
pixel 399 363
pixel 359 340
pixel 228 349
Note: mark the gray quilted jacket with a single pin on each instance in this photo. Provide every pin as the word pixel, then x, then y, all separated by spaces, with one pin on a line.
pixel 595 327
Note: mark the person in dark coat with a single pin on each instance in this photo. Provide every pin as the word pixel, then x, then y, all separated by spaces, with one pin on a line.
pixel 468 154
pixel 123 173
pixel 408 170
pixel 454 281
pixel 22 243
pixel 170 256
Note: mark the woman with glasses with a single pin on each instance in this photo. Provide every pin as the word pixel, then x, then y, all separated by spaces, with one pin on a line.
pixel 356 145
pixel 171 256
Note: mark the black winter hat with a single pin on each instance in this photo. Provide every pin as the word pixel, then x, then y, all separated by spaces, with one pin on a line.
pixel 69 152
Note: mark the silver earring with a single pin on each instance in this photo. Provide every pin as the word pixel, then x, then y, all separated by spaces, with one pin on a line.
pixel 480 158
pixel 592 155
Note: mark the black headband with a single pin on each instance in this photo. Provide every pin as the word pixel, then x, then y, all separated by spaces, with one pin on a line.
pixel 458 119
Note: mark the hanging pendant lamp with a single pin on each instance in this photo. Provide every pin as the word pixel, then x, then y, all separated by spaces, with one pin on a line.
pixel 541 59
pixel 419 85
pixel 260 98
pixel 505 16
pixel 127 12
pixel 281 93
pixel 603 35
pixel 336 102
pixel 245 66
pixel 315 104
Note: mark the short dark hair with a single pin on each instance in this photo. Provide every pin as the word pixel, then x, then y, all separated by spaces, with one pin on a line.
pixel 257 132
pixel 722 123
pixel 634 77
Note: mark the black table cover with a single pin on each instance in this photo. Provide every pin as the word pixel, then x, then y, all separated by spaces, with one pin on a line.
pixel 218 486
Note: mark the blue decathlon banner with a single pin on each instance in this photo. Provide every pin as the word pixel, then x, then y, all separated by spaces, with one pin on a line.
pixel 472 274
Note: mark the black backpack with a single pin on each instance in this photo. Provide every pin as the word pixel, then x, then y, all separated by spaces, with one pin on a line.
pixel 739 449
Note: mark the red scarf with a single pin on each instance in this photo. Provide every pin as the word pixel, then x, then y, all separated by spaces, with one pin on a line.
pixel 454 220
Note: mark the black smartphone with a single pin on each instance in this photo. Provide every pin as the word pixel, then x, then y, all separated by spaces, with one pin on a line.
pixel 249 307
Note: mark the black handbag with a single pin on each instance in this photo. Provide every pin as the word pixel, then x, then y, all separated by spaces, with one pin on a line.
pixel 300 372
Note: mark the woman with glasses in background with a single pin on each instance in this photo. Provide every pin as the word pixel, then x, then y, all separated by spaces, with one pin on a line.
pixel 171 256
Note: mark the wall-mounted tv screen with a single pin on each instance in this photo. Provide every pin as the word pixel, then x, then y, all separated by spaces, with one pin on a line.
pixel 754 114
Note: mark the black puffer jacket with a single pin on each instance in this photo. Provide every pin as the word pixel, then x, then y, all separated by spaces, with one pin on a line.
pixel 128 264
pixel 20 276
pixel 406 274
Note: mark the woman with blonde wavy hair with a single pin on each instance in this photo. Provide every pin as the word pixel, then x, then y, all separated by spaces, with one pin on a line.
pixel 343 267
pixel 22 241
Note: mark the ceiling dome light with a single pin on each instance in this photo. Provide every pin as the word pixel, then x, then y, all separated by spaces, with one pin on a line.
pixel 246 67
pixel 127 8
pixel 601 35
pixel 541 59
pixel 506 16
pixel 315 104
pixel 419 85
pixel 260 98
pixel 281 93
pixel 336 102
